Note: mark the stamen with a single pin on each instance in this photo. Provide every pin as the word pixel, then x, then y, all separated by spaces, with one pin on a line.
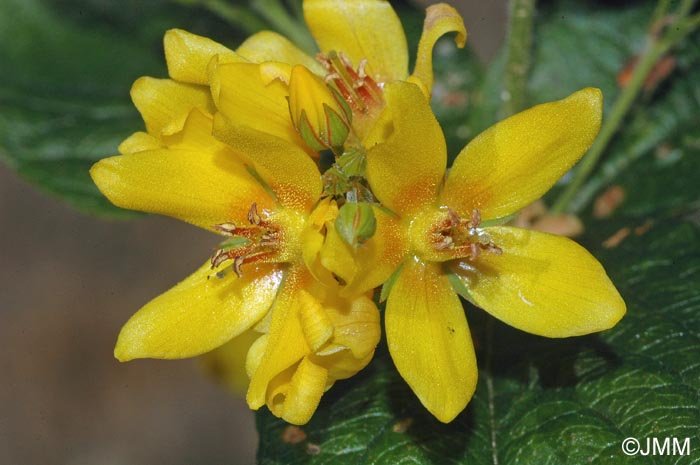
pixel 462 238
pixel 258 242
pixel 357 87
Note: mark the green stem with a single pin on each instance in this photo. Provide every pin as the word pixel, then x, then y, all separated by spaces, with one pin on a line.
pixel 290 26
pixel 654 51
pixel 519 43
pixel 239 17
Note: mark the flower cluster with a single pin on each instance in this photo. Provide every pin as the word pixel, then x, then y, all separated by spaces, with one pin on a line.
pixel 234 143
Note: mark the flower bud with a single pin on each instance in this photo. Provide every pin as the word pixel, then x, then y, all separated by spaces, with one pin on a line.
pixel 356 223
pixel 319 114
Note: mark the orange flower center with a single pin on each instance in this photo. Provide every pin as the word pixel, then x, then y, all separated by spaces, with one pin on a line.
pixel 260 241
pixel 444 235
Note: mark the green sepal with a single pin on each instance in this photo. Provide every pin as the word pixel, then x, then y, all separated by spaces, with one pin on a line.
pixel 389 283
pixel 308 135
pixel 337 130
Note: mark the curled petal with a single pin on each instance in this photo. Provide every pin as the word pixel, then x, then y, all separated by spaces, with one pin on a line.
pixel 440 19
pixel 295 393
pixel 188 55
pixel 200 314
pixel 361 29
pixel 543 284
pixel 406 171
pixel 164 104
pixel 356 327
pixel 429 339
pixel 516 161
pixel 286 344
pixel 315 322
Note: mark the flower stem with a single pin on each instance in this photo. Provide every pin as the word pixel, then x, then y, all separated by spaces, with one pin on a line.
pixel 519 43
pixel 239 17
pixel 286 23
pixel 656 47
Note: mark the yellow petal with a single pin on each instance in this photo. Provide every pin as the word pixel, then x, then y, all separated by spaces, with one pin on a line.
pixel 200 314
pixel 227 364
pixel 188 55
pixel 194 181
pixel 356 326
pixel 286 344
pixel 138 142
pixel 516 161
pixel 315 322
pixel 429 339
pixel 361 29
pixel 284 166
pixel 255 95
pixel 440 19
pixel 164 104
pixel 341 364
pixel 271 46
pixel 543 284
pixel 370 264
pixel 295 394
pixel 406 170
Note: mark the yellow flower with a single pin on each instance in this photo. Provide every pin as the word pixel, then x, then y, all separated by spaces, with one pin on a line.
pixel 263 196
pixel 537 282
pixel 363 47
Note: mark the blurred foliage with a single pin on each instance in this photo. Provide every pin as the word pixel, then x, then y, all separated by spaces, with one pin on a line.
pixel 67 69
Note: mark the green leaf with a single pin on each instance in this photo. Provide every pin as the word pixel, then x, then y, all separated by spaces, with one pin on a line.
pixel 64 87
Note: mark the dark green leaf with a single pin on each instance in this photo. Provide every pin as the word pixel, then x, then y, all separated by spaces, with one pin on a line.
pixel 64 86
pixel 539 401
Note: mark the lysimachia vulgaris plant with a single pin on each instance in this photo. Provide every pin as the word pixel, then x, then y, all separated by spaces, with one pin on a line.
pixel 325 177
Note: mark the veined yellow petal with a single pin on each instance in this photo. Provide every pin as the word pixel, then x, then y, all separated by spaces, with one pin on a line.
pixel 286 344
pixel 543 284
pixel 255 95
pixel 271 46
pixel 284 166
pixel 200 314
pixel 295 393
pixel 138 142
pixel 356 326
pixel 315 322
pixel 195 181
pixel 341 364
pixel 188 55
pixel 361 29
pixel 407 169
pixel 371 263
pixel 514 162
pixel 164 104
pixel 440 19
pixel 429 339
